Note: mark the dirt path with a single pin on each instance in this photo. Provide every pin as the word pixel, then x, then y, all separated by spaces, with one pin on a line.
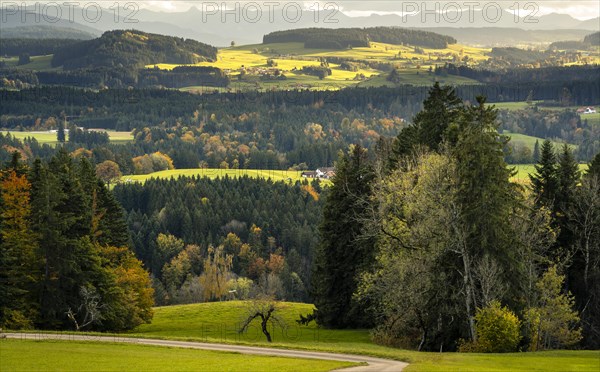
pixel 374 364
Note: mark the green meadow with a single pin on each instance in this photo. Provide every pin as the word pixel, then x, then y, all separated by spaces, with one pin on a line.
pixel 38 63
pixel 273 175
pixel 50 137
pixel 219 322
pixel 524 170
pixel 53 355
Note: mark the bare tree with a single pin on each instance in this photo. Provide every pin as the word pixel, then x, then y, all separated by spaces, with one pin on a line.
pixel 89 311
pixel 262 308
pixel 584 217
pixel 489 276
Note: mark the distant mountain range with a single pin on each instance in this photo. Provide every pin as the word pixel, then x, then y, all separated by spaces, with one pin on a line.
pixel 220 29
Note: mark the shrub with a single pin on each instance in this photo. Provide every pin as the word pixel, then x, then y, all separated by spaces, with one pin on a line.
pixel 497 329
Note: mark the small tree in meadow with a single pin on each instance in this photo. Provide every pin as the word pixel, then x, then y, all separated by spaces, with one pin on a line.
pixel 263 308
pixel 497 329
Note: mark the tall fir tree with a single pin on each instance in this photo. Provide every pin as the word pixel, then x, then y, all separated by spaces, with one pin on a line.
pixel 60 132
pixel 594 167
pixel 341 255
pixel 536 151
pixel 486 197
pixel 430 126
pixel 568 176
pixel 544 181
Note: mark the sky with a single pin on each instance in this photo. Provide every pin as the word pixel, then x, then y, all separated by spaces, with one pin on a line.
pixel 583 10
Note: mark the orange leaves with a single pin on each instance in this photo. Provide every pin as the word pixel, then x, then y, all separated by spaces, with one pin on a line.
pixel 15 197
pixel 311 191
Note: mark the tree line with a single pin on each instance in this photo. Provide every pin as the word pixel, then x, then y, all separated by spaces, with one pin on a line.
pixel 33 47
pixel 343 38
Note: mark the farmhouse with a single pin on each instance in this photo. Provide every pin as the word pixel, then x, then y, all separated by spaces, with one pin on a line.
pixel 326 173
pixel 586 110
pixel 322 173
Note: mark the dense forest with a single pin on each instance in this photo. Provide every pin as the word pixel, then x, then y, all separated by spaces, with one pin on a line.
pixel 434 246
pixel 344 38
pixel 132 49
pixel 243 216
pixel 33 47
pixel 592 39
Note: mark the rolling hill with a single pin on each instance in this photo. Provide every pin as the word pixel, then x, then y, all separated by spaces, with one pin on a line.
pixel 132 49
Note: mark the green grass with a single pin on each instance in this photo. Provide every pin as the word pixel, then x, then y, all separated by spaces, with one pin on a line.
pixel 38 63
pixel 274 175
pixel 592 119
pixel 218 322
pixel 529 141
pixel 50 138
pixel 524 170
pixel 52 355
pixel 511 106
pixel 563 360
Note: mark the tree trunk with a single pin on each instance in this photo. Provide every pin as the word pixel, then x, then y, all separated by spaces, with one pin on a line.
pixel 265 328
pixel 468 293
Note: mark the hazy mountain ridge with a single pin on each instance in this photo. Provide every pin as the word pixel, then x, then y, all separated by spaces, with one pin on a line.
pixel 241 27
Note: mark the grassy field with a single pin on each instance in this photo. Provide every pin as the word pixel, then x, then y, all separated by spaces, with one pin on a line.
pixel 290 58
pixel 38 63
pixel 529 141
pixel 274 175
pixel 593 119
pixel 52 355
pixel 218 322
pixel 50 137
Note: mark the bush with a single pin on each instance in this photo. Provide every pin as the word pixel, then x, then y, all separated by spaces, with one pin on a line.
pixel 497 330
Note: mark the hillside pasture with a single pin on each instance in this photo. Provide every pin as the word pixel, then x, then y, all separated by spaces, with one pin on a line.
pixel 49 137
pixel 274 175
pixel 219 322
pixel 37 63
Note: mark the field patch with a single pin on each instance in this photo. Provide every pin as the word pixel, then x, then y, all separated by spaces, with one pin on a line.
pixel 273 175
pixel 49 137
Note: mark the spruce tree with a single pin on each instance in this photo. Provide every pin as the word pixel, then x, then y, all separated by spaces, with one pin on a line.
pixel 536 151
pixel 486 197
pixel 60 133
pixel 568 177
pixel 341 255
pixel 544 181
pixel 594 168
pixel 430 126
